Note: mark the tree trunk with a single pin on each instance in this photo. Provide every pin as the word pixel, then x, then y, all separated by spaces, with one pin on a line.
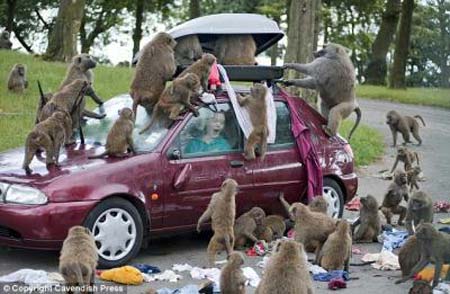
pixel 10 15
pixel 137 33
pixel 317 23
pixel 301 41
pixel 62 43
pixel 397 77
pixel 87 40
pixel 444 77
pixel 194 9
pixel 273 51
pixel 377 69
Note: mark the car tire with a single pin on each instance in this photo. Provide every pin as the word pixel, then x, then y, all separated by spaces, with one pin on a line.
pixel 333 194
pixel 110 219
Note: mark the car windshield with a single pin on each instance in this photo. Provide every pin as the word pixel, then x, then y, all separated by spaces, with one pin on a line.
pixel 96 131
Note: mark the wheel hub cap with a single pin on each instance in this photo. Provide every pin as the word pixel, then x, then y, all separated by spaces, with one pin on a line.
pixel 332 198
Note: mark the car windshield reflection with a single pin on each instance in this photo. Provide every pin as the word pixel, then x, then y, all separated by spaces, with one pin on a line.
pixel 96 131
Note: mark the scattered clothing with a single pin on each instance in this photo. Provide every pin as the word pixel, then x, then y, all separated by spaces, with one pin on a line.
pixel 354 204
pixel 252 277
pixel 328 276
pixel 214 78
pixel 442 288
pixel 188 289
pixel 35 278
pixel 445 230
pixel 386 260
pixel 212 274
pixel 427 274
pixel 263 262
pixel 181 267
pixel 335 284
pixel 394 239
pixel 291 234
pixel 441 206
pixel 167 275
pixel 147 269
pixel 259 249
pixel 445 221
pixel 127 275
pixel 316 269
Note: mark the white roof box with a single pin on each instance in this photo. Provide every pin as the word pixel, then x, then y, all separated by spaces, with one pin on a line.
pixel 265 31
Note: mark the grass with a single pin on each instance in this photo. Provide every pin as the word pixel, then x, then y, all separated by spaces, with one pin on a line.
pixel 17 111
pixel 420 96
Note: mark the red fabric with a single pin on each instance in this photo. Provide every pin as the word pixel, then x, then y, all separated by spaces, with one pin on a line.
pixel 335 284
pixel 306 149
pixel 354 205
pixel 214 78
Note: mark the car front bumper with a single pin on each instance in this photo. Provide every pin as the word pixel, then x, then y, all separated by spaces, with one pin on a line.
pixel 40 227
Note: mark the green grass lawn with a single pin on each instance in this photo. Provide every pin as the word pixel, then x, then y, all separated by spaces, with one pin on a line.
pixel 17 111
pixel 420 96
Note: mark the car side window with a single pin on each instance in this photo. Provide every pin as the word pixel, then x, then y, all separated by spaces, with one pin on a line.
pixel 211 133
pixel 284 135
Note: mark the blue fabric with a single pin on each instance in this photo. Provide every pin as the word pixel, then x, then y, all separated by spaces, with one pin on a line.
pixel 445 230
pixel 197 145
pixel 146 268
pixel 336 274
pixel 394 239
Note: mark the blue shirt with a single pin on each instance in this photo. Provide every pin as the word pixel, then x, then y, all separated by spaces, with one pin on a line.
pixel 197 145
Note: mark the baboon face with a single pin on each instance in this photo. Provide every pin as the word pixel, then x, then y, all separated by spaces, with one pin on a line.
pixel 418 201
pixel 298 209
pixel 258 215
pixel 258 91
pixel 84 61
pixel 236 258
pixel 400 178
pixel 401 150
pixel 369 202
pixel 330 51
pixel 229 186
pixel 126 113
pixel 165 38
pixel 209 58
pixel 392 117
pixel 20 69
pixel 425 231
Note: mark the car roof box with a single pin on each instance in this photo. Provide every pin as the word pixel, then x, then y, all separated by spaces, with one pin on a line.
pixel 208 28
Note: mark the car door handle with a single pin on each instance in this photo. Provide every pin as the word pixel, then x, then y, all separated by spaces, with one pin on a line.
pixel 236 163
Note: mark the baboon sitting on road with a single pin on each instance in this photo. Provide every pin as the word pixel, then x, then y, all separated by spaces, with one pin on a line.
pixel 397 191
pixel 420 208
pixel 369 225
pixel 232 279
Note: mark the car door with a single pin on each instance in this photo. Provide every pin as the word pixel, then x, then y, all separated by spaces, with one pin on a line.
pixel 194 171
pixel 281 170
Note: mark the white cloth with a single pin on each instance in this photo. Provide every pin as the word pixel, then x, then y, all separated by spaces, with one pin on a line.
pixel 167 275
pixel 242 114
pixel 442 288
pixel 212 274
pixel 30 277
pixel 181 267
pixel 386 260
pixel 252 277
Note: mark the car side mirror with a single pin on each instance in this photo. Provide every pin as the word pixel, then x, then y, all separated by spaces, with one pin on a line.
pixel 174 153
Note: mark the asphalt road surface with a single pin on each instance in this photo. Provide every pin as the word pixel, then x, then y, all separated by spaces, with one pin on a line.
pixel 191 248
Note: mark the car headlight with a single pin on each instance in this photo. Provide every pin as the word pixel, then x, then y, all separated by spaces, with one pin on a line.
pixel 22 195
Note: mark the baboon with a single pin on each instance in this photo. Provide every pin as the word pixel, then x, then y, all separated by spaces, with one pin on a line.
pixel 256 106
pixel 413 177
pixel 420 208
pixel 174 99
pixel 397 191
pixel 222 211
pixel 49 135
pixel 434 246
pixel 406 156
pixel 337 249
pixel 120 136
pixel 368 223
pixel 409 255
pixel 318 204
pixel 286 271
pixel 188 50
pixel 273 227
pixel 156 65
pixel 17 80
pixel 235 49
pixel 332 74
pixel 5 43
pixel 78 258
pixel 421 287
pixel 202 69
pixel 245 226
pixel 232 279
pixel 404 125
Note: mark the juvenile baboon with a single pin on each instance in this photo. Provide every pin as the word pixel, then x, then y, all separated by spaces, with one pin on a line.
pixel 48 135
pixel 332 74
pixel 78 258
pixel 5 43
pixel 286 271
pixel 413 177
pixel 409 255
pixel 156 65
pixel 434 246
pixel 202 69
pixel 337 249
pixel 368 223
pixel 404 125
pixel 273 227
pixel 256 106
pixel 397 191
pixel 17 80
pixel 235 50
pixel 318 204
pixel 222 211
pixel 406 156
pixel 174 99
pixel 120 136
pixel 232 279
pixel 245 226
pixel 420 208
pixel 188 50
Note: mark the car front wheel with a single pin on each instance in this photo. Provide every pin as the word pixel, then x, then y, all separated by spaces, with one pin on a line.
pixel 117 229
pixel 334 196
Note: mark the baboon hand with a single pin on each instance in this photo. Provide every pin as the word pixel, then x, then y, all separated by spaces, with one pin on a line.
pixel 288 65
pixel 198 228
pixel 286 83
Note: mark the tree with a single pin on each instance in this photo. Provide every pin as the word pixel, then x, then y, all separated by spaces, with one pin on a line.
pixel 402 42
pixel 300 35
pixel 62 42
pixel 377 69
pixel 194 9
pixel 137 32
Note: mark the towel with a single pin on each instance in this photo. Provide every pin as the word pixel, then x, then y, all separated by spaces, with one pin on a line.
pixel 242 114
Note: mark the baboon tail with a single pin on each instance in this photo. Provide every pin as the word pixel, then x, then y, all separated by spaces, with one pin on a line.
pixel 98 156
pixel 358 119
pixel 419 117
pixel 41 93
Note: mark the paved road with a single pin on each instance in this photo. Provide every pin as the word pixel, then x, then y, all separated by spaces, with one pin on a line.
pixel 191 248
